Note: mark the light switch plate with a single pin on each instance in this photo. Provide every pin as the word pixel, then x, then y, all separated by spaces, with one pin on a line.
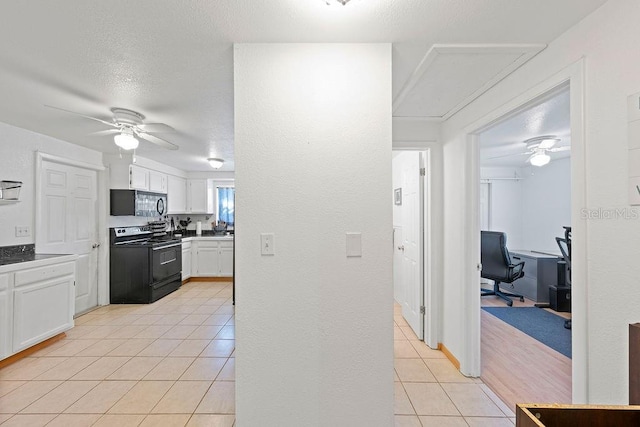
pixel 354 244
pixel 267 244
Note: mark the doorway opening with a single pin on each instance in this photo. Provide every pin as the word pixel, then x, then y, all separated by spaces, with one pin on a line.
pixel 412 254
pixel 524 205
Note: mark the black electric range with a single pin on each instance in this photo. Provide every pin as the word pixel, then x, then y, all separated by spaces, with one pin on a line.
pixel 143 267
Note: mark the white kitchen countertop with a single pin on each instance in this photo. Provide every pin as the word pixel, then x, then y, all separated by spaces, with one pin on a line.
pixel 39 260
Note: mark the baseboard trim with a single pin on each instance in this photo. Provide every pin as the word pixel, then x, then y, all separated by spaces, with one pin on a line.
pixel 208 279
pixel 449 355
pixel 29 351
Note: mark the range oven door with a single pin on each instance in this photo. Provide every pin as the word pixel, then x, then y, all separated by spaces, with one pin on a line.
pixel 166 261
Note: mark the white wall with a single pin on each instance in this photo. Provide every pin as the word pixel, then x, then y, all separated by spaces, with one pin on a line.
pixel 17 163
pixel 313 150
pixel 608 40
pixel 546 205
pixel 506 204
pixel 533 209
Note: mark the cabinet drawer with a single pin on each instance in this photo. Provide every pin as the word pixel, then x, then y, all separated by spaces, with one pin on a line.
pixel 4 282
pixel 44 273
pixel 186 245
pixel 225 244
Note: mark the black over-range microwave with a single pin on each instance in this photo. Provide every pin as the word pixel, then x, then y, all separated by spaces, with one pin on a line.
pixel 138 203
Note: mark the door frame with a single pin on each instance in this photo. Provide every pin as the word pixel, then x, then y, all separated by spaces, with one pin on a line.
pixel 574 76
pixel 101 210
pixel 431 291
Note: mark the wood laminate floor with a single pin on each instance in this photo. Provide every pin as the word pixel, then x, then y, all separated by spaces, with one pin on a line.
pixel 518 368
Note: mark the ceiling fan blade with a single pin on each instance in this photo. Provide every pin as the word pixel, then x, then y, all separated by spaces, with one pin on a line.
pixel 106 132
pixel 158 141
pixel 509 155
pixel 82 115
pixel 555 150
pixel 156 128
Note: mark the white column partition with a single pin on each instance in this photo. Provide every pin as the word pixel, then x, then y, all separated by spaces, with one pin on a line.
pixel 313 162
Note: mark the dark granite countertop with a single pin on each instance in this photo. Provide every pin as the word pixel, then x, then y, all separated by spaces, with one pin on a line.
pixel 26 257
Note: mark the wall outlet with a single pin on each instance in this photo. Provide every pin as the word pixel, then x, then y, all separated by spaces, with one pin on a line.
pixel 23 231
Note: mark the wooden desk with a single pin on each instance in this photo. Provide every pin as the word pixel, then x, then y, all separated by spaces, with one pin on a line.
pixel 540 272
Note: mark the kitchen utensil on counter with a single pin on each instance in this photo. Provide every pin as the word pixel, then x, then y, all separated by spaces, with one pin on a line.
pixel 185 223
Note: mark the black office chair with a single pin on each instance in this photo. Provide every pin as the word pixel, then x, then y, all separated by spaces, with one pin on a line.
pixel 497 265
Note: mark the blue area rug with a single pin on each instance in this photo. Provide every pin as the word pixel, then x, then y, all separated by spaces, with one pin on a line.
pixel 545 327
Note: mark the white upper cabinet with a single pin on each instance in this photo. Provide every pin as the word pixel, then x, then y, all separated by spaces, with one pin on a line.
pixel 157 182
pixel 138 178
pixel 199 196
pixel 176 195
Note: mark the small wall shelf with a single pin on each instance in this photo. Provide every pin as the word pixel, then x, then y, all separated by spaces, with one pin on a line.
pixel 8 202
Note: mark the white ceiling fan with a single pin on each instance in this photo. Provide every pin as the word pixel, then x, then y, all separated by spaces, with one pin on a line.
pixel 538 149
pixel 127 125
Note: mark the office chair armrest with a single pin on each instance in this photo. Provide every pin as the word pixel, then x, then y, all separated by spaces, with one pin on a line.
pixel 517 268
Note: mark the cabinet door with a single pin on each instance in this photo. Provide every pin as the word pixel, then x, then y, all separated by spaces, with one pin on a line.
pixel 41 310
pixel 186 263
pixel 176 195
pixel 208 260
pixel 157 182
pixel 197 195
pixel 138 178
pixel 226 262
pixel 5 317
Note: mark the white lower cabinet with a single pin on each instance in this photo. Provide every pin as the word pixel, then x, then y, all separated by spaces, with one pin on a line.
pixel 5 317
pixel 226 261
pixel 36 303
pixel 186 260
pixel 212 258
pixel 43 304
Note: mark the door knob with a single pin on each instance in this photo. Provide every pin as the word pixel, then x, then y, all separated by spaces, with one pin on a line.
pixel 95 245
pixel 401 248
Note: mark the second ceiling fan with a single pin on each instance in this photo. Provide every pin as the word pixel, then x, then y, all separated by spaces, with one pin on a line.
pixel 538 149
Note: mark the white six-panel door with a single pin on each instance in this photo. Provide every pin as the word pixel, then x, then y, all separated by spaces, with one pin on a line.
pixel 412 245
pixel 68 223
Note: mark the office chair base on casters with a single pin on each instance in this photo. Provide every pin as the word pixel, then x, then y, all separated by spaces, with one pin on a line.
pixel 500 294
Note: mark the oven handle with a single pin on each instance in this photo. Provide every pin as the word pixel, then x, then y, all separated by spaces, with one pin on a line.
pixel 166 246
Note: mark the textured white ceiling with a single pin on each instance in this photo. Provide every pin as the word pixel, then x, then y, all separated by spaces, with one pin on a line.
pixel 506 139
pixel 172 60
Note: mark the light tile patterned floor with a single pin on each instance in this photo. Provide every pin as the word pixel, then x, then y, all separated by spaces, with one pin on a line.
pixel 172 363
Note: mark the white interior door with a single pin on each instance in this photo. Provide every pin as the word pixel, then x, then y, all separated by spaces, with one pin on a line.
pixel 412 267
pixel 67 223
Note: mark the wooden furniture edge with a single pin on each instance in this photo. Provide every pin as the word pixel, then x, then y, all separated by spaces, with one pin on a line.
pixel 449 355
pixel 29 351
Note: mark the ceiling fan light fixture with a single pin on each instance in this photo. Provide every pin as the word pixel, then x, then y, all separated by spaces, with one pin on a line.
pixel 342 2
pixel 126 140
pixel 215 163
pixel 540 159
